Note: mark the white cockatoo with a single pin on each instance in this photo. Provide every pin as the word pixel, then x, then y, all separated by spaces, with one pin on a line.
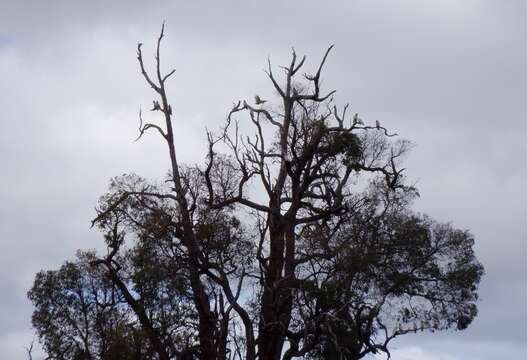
pixel 357 120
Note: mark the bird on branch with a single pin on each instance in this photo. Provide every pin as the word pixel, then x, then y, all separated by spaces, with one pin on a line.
pixel 156 106
pixel 377 124
pixel 357 120
pixel 259 101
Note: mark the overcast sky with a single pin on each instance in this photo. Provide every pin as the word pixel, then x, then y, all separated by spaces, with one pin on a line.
pixel 450 75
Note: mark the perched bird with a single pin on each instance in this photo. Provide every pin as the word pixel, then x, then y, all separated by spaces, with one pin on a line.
pixel 156 106
pixel 259 101
pixel 377 124
pixel 357 120
pixel 245 105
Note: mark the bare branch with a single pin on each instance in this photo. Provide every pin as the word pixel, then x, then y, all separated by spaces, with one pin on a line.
pixel 269 73
pixel 143 129
pixel 143 71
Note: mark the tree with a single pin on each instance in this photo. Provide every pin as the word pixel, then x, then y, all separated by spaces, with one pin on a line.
pixel 79 314
pixel 295 241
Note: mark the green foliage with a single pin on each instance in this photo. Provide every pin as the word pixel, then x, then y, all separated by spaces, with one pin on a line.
pixel 79 315
pixel 390 270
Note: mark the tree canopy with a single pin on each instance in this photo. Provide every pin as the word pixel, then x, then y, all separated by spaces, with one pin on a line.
pixel 295 240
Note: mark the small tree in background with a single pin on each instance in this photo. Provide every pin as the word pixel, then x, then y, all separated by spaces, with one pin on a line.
pixel 79 314
pixel 296 240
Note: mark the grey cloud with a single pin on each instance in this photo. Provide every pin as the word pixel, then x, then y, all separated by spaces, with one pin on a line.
pixel 448 75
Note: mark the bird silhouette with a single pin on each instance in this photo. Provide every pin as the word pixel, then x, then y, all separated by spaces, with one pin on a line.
pixel 377 124
pixel 156 106
pixel 258 100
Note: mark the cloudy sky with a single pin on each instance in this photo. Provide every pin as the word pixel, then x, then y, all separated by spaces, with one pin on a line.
pixel 450 75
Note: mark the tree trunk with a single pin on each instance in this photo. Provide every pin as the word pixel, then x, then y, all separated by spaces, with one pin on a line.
pixel 274 317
